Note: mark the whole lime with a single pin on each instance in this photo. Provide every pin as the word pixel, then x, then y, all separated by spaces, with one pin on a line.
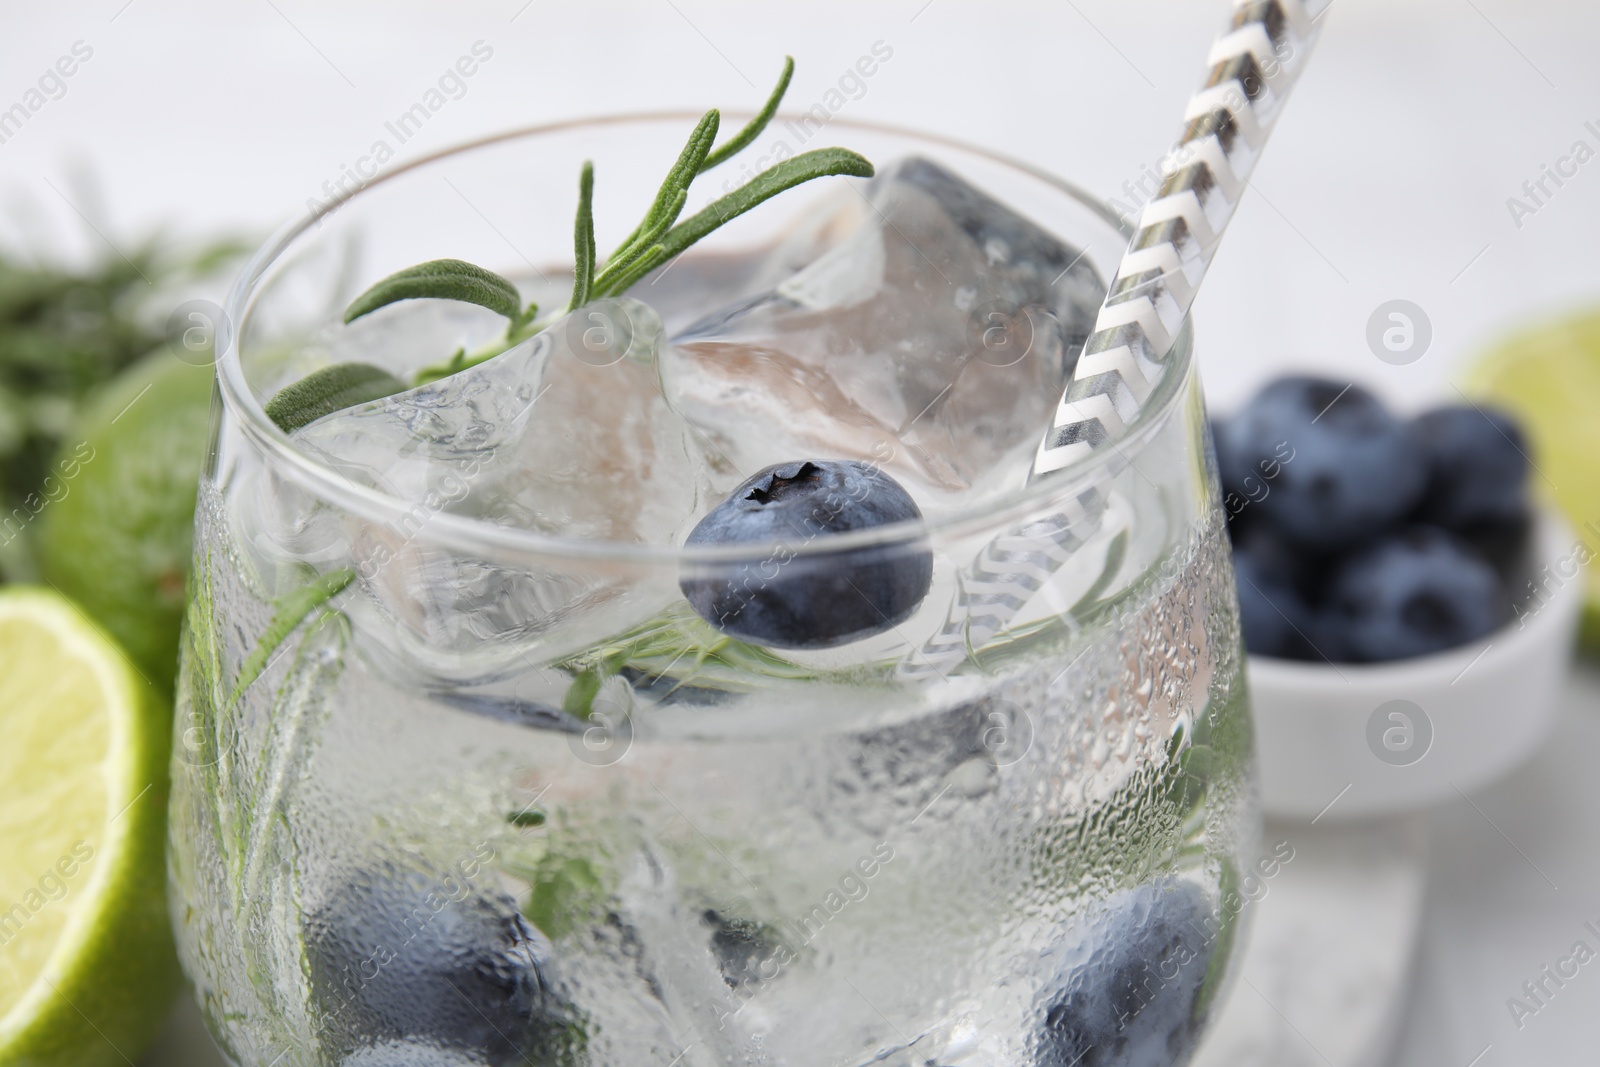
pixel 116 528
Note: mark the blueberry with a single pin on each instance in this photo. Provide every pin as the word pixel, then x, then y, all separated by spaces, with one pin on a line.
pixel 809 601
pixel 1324 461
pixel 409 967
pixel 1238 477
pixel 1130 994
pixel 1273 616
pixel 1418 591
pixel 1477 467
pixel 1280 560
pixel 1280 595
pixel 1503 542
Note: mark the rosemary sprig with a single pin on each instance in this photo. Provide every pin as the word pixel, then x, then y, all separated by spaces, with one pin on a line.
pixel 819 163
pixel 659 237
pixel 677 650
pixel 290 610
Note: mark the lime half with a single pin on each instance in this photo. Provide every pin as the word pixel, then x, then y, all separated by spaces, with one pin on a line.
pixel 87 969
pixel 1549 377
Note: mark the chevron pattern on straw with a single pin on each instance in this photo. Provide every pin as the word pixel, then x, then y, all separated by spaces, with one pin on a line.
pixel 1005 576
pixel 1252 68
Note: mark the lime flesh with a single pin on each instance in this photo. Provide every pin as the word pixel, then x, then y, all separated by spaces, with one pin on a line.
pixel 87 968
pixel 1549 377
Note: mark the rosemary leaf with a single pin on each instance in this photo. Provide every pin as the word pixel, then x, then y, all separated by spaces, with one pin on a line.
pixel 583 239
pixel 292 608
pixel 745 137
pixel 820 163
pixel 667 203
pixel 444 279
pixel 343 385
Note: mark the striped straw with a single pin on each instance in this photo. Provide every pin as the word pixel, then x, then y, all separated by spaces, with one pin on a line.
pixel 1250 72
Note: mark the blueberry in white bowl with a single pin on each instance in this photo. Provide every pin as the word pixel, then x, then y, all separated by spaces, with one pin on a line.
pixel 1398 653
pixel 1477 467
pixel 1362 537
pixel 1478 470
pixel 1273 616
pixel 1415 592
pixel 1322 460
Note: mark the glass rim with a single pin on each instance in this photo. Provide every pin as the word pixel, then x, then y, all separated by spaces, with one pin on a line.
pixel 447 529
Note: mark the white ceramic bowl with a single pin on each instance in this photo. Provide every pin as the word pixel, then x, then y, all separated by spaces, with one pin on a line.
pixel 1344 741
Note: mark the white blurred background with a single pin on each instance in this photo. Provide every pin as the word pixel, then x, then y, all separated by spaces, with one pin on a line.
pixel 1388 179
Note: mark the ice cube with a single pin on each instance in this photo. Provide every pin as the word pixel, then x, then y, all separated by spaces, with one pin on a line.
pixel 937 338
pixel 567 435
pixel 684 290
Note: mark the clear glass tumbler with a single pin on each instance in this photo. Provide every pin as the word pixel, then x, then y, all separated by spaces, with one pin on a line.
pixel 449 791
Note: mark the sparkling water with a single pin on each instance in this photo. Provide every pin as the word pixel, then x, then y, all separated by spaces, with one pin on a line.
pixel 482 807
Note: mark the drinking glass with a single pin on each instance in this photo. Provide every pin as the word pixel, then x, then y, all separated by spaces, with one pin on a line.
pixel 450 791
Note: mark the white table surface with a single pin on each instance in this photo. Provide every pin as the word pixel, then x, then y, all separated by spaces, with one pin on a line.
pixel 1514 876
pixel 1388 179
